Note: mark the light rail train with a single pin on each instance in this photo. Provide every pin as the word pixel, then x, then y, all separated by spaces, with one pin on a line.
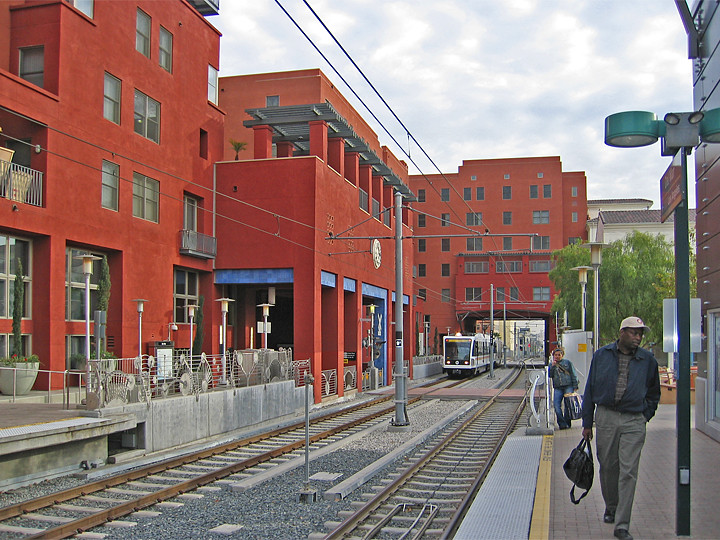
pixel 468 355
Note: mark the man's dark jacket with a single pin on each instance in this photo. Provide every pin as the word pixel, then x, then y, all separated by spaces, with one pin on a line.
pixel 643 389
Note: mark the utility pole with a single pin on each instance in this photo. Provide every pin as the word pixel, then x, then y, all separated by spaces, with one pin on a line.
pixel 400 420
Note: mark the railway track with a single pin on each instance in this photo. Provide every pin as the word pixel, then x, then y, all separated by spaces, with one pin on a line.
pixel 428 496
pixel 241 464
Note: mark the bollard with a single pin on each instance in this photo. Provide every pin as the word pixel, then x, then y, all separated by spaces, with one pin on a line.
pixel 307 495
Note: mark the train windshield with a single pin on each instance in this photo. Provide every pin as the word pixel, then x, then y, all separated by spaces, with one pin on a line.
pixel 457 349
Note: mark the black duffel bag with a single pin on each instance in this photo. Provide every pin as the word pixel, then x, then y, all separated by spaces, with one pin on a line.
pixel 579 469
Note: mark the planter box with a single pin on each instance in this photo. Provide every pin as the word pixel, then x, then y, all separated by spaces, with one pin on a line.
pixel 24 376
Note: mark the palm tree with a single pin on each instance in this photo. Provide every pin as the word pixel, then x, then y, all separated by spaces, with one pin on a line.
pixel 238 146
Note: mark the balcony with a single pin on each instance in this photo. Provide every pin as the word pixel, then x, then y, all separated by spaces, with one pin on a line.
pixel 197 244
pixel 20 184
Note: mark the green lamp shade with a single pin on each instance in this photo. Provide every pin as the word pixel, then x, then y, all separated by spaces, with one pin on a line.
pixel 710 126
pixel 631 128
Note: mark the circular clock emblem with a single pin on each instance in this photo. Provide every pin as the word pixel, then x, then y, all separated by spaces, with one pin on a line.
pixel 376 253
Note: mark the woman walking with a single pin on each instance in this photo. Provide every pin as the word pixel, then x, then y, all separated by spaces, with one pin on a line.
pixel 565 381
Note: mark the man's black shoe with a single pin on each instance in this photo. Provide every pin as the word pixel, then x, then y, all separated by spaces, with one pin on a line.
pixel 623 534
pixel 609 517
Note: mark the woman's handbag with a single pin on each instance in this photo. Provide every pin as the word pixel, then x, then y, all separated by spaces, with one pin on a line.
pixel 579 469
pixel 573 405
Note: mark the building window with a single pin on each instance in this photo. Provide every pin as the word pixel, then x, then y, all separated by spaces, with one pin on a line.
pixel 573 217
pixel 422 245
pixel 507 243
pixel 499 294
pixel 444 244
pixel 75 284
pixel 212 85
pixel 508 266
pixel 541 242
pixel 142 33
pixel 421 195
pixel 573 191
pixel 165 55
pixel 540 266
pixel 534 191
pixel 445 270
pixel 146 197
pixel 32 65
pixel 507 193
pixel 111 100
pixel 422 270
pixel 445 194
pixel 477 267
pixel 421 220
pixel 473 177
pixel 203 143
pixel 445 220
pixel 445 296
pixel 467 194
pixel 190 206
pixel 272 101
pixel 473 219
pixel 540 175
pixel 574 240
pixel 110 181
pixel 506 176
pixel 185 294
pixel 473 294
pixel 147 117
pixel 84 6
pixel 502 296
pixel 541 293
pixel 507 218
pixel 474 244
pixel 547 191
pixel 422 293
pixel 480 193
pixel 541 216
pixel 12 249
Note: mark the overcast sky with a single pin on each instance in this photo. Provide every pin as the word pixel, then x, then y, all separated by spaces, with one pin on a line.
pixel 481 79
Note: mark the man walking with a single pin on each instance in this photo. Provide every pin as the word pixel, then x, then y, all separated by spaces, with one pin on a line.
pixel 624 384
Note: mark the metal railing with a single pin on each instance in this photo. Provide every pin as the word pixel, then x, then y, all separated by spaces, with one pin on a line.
pixel 197 244
pixel 21 184
pixel 19 382
pixel 328 383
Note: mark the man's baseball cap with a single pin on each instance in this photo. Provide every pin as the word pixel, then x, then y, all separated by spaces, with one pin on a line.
pixel 633 322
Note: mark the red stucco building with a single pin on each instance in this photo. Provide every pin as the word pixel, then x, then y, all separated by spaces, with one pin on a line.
pixel 494 223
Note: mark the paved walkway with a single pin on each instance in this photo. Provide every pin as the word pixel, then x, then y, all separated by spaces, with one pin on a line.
pixel 654 508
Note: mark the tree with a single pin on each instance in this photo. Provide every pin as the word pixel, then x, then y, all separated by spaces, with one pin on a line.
pixel 103 289
pixel 199 334
pixel 238 146
pixel 633 281
pixel 17 311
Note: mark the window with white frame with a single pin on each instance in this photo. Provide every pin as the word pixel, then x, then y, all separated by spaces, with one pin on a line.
pixel 445 270
pixel 473 294
pixel 212 85
pixel 186 293
pixel 541 293
pixel 84 6
pixel 541 216
pixel 190 206
pixel 573 191
pixel 547 191
pixel 147 117
pixel 508 266
pixel 444 244
pixel 473 219
pixel 111 99
pixel 422 270
pixel 503 296
pixel 110 184
pixel 445 295
pixel 507 192
pixel 480 194
pixel 13 249
pixel 507 218
pixel 534 191
pixel 541 242
pixel 507 243
pixel 422 245
pixel 574 217
pixel 422 293
pixel 146 197
pixel 445 194
pixel 142 33
pixel 540 266
pixel 32 65
pixel 165 51
pixel 474 244
pixel 421 195
pixel 272 101
pixel 445 220
pixel 477 267
pixel 421 220
pixel 467 194
pixel 75 284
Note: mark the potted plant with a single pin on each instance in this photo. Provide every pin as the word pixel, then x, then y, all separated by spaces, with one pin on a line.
pixel 22 377
pixel 238 146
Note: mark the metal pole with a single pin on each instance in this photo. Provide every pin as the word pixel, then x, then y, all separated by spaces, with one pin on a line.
pixel 223 366
pixel 682 291
pixel 140 334
pixel 87 335
pixel 504 331
pixel 492 324
pixel 400 383
pixel 596 325
pixel 583 286
pixel 191 336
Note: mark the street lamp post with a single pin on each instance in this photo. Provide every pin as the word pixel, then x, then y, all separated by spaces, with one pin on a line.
pixel 224 304
pixel 87 262
pixel 679 134
pixel 191 315
pixel 266 314
pixel 140 309
pixel 596 261
pixel 582 278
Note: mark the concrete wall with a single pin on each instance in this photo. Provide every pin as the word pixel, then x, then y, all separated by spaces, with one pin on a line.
pixel 426 370
pixel 181 420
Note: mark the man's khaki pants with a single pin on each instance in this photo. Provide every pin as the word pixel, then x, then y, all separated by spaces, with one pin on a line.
pixel 619 440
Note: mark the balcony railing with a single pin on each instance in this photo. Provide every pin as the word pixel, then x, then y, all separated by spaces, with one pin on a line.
pixel 20 184
pixel 197 244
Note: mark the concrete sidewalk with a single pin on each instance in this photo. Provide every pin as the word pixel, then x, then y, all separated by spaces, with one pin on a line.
pixel 654 507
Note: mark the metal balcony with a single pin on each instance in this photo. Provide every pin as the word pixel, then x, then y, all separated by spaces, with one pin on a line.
pixel 197 244
pixel 20 184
